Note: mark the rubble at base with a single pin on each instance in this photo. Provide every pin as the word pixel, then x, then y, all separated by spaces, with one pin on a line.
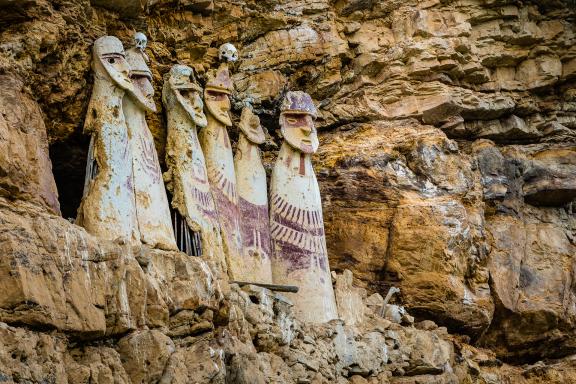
pixel 143 316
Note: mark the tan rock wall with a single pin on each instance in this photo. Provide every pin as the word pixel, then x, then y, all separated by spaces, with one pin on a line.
pixel 25 168
pixel 446 167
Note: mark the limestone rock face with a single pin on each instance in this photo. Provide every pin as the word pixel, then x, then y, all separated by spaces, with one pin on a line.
pixel 144 355
pixel 25 168
pixel 549 180
pixel 409 213
pixel 446 168
pixel 56 275
pixel 530 267
pixel 126 8
pixel 46 274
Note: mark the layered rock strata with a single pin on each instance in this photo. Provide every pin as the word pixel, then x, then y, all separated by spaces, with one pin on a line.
pixel 446 168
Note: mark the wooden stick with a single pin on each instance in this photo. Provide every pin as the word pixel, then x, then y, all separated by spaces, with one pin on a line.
pixel 272 287
pixel 194 244
pixel 188 244
pixel 198 243
pixel 182 237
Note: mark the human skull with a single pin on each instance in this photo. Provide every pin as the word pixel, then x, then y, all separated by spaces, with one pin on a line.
pixel 228 52
pixel 140 40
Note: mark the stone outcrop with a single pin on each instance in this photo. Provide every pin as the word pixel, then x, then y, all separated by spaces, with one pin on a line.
pixel 263 344
pixel 25 168
pixel 446 169
pixel 413 217
pixel 56 275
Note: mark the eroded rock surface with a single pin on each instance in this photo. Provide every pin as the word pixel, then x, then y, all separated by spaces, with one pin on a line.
pixel 446 169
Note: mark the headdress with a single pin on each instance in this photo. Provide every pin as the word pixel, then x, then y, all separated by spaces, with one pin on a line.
pixel 298 102
pixel 219 80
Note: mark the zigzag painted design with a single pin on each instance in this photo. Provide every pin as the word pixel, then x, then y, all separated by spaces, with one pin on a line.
pixel 307 219
pixel 204 199
pixel 226 186
pixel 298 239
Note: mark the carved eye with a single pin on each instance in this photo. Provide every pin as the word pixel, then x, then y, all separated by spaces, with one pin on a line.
pixel 111 60
pixel 291 120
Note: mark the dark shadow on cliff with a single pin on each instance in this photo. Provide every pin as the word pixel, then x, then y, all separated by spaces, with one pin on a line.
pixel 526 338
pixel 69 166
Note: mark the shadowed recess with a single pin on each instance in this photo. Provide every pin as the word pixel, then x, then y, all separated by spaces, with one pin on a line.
pixel 69 166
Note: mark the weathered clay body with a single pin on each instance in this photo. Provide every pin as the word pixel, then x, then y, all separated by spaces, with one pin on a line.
pixel 152 211
pixel 220 165
pixel 253 200
pixel 296 223
pixel 187 177
pixel 108 207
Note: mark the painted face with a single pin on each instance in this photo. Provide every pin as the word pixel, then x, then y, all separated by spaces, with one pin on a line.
pixel 299 131
pixel 250 126
pixel 117 68
pixel 191 101
pixel 143 91
pixel 218 104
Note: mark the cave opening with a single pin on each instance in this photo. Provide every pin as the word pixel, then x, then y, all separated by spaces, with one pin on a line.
pixel 69 167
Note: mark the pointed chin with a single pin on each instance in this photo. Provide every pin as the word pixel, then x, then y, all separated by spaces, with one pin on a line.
pixel 145 102
pixel 193 108
pixel 224 118
pixel 306 145
pixel 308 148
pixel 255 135
pixel 121 80
pixel 199 118
pixel 144 92
pixel 220 112
pixel 150 105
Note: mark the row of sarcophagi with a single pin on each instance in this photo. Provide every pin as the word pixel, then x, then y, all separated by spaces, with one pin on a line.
pixel 220 206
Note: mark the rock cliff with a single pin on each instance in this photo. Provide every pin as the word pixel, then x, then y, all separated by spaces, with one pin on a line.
pixel 447 167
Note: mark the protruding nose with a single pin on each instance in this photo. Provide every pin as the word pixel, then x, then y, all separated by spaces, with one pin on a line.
pixel 125 68
pixel 306 129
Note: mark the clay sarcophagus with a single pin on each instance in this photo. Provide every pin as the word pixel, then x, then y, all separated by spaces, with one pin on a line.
pixel 253 200
pixel 195 215
pixel 108 208
pixel 152 210
pixel 217 149
pixel 296 223
pixel 124 194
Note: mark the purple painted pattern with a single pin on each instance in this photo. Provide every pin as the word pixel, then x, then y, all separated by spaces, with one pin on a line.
pixel 298 101
pixel 150 163
pixel 255 227
pixel 205 203
pixel 228 211
pixel 297 235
